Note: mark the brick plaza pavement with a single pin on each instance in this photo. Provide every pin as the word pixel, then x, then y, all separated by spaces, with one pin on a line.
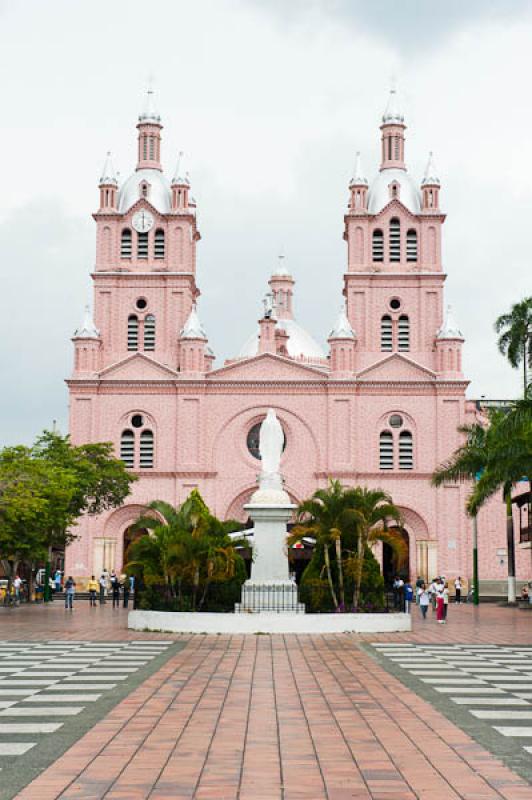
pixel 267 717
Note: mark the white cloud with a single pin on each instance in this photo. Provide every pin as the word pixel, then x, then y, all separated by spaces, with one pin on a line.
pixel 270 112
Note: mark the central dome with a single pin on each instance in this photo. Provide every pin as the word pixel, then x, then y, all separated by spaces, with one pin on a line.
pixel 300 343
pixel 159 192
pixel 379 191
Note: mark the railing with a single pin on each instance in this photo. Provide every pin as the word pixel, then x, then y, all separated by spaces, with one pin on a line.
pixel 275 598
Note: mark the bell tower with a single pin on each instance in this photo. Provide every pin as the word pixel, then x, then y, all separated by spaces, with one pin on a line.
pixel 394 280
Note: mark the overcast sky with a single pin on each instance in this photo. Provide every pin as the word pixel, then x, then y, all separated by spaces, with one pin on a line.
pixel 270 100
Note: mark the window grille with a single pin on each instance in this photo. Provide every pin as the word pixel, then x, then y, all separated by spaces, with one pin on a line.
pixel 127 448
pixel 146 450
pixel 378 246
pixel 386 334
pixel 142 245
pixel 386 450
pixel 396 147
pixel 151 148
pixel 406 450
pixel 132 332
pixel 125 244
pixel 411 245
pixel 149 332
pixel 395 239
pixel 403 333
pixel 159 243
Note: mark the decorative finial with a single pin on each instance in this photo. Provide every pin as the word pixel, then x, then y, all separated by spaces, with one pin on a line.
pixel 358 178
pixel 431 175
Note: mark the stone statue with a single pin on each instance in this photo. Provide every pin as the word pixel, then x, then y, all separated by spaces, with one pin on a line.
pixel 271 441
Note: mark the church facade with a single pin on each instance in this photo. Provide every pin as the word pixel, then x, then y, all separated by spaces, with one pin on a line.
pixel 379 408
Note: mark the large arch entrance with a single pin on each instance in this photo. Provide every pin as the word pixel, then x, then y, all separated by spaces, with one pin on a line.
pixel 130 535
pixel 390 565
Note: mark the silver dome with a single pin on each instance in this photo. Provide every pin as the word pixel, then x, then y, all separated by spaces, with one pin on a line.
pixel 159 196
pixel 300 342
pixel 379 192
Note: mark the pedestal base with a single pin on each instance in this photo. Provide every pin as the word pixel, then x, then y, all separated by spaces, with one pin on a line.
pixel 279 597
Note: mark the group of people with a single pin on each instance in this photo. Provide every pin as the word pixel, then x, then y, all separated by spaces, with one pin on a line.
pixel 436 595
pixel 120 586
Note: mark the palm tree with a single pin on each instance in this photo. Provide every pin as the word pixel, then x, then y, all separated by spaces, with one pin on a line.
pixel 372 511
pixel 494 457
pixel 187 545
pixel 325 518
pixel 515 341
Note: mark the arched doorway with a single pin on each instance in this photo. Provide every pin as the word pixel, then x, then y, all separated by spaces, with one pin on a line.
pixel 390 566
pixel 130 535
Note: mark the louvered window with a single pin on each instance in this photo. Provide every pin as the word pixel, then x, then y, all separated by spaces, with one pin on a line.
pixel 151 148
pixel 378 246
pixel 386 333
pixel 396 148
pixel 403 333
pixel 159 243
pixel 146 450
pixel 125 244
pixel 132 332
pixel 142 245
pixel 395 239
pixel 386 450
pixel 411 245
pixel 149 332
pixel 127 448
pixel 406 450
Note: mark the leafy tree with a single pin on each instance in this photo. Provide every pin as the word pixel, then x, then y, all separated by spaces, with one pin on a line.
pixel 515 341
pixel 46 488
pixel 21 508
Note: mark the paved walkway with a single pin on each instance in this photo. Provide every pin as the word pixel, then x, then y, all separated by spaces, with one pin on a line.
pixel 269 717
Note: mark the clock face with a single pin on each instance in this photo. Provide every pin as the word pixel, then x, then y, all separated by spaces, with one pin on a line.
pixel 142 221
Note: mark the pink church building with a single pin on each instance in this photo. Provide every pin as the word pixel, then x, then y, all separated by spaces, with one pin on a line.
pixel 380 407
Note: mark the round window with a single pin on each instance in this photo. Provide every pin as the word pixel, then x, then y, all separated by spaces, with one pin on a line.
pixel 141 303
pixel 137 420
pixel 252 440
pixel 395 421
pixel 395 304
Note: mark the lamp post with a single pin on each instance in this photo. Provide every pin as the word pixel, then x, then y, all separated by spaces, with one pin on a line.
pixel 475 561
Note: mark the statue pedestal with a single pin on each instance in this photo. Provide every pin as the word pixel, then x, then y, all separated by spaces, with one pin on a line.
pixel 270 587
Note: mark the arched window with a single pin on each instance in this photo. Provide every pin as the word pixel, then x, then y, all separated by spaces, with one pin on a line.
pixel 149 332
pixel 386 333
pixel 378 245
pixel 146 450
pixel 411 245
pixel 159 243
pixel 127 448
pixel 142 245
pixel 125 243
pixel 132 332
pixel 406 450
pixel 386 450
pixel 395 239
pixel 403 333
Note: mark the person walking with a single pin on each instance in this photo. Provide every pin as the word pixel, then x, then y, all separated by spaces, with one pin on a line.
pixel 439 608
pixel 92 586
pixel 445 595
pixel 115 588
pixel 458 590
pixel 105 576
pixel 103 588
pixel 70 588
pixel 57 580
pixel 17 583
pixel 409 594
pixel 423 600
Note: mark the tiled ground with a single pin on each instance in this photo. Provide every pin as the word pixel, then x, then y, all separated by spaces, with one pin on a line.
pixel 267 717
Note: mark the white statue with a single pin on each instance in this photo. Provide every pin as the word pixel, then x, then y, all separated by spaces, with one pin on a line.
pixel 271 441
